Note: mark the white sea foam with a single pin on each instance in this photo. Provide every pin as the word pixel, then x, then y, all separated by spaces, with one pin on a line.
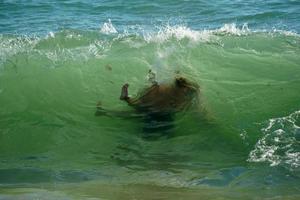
pixel 50 35
pixel 99 48
pixel 177 32
pixel 12 46
pixel 232 29
pixel 279 144
pixel 108 28
pixel 180 32
pixel 286 33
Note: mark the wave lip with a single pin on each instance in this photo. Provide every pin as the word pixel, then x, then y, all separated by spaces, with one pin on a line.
pixel 180 32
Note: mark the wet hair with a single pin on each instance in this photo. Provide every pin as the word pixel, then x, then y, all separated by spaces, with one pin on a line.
pixel 181 82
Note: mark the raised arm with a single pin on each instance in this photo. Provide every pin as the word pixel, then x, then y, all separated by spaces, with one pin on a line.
pixel 124 96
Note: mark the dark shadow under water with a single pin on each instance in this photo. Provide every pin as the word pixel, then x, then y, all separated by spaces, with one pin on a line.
pixel 155 125
pixel 158 125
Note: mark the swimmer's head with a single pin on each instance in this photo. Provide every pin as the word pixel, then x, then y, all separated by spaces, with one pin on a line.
pixel 186 85
pixel 181 82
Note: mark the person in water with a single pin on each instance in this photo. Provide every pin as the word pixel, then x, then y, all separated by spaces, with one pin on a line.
pixel 157 104
pixel 162 98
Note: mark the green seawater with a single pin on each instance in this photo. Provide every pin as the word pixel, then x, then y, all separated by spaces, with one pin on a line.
pixel 52 146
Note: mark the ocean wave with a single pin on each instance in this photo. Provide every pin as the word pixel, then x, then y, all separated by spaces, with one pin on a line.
pixel 10 46
pixel 179 32
pixel 108 28
pixel 86 44
pixel 162 33
pixel 280 143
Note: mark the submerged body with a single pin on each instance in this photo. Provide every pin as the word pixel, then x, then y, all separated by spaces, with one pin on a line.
pixel 163 98
pixel 157 105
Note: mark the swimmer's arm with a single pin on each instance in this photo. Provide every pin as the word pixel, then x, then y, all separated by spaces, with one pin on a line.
pixel 112 113
pixel 124 96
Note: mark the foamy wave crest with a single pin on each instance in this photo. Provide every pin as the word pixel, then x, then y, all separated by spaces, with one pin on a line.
pixel 56 47
pixel 280 144
pixel 108 28
pixel 286 33
pixel 180 32
pixel 232 29
pixel 12 46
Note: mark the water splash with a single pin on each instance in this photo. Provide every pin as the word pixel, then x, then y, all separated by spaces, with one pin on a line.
pixel 108 28
pixel 178 32
pixel 232 29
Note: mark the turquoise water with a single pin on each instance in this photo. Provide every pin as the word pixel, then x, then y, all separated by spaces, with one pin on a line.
pixel 58 59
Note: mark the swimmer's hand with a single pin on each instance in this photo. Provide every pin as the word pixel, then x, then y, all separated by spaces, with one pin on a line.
pixel 124 92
